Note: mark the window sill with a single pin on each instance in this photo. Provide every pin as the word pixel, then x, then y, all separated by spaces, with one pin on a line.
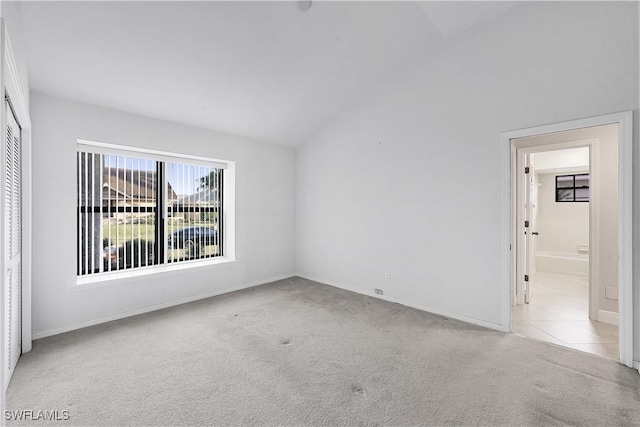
pixel 115 277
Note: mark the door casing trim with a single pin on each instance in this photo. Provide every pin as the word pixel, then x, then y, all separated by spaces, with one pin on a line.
pixel 625 215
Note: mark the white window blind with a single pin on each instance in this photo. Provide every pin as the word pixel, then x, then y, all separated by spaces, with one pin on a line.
pixel 194 212
pixel 137 211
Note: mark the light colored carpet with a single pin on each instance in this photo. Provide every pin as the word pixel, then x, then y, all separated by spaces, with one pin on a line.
pixel 296 352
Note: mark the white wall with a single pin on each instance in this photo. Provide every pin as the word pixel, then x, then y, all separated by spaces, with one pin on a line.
pixel 604 177
pixel 608 220
pixel 265 213
pixel 561 227
pixel 408 181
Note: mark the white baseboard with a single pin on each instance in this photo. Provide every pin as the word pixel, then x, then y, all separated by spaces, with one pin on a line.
pixel 467 319
pixel 93 322
pixel 562 263
pixel 609 317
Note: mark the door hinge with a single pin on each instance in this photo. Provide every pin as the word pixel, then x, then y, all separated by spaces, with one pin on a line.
pixel 526 224
pixel 526 277
pixel 526 169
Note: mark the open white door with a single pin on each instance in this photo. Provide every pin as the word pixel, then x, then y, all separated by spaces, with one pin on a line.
pixel 12 241
pixel 529 227
pixel 525 229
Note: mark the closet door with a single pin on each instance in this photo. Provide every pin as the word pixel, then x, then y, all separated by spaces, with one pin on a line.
pixel 12 239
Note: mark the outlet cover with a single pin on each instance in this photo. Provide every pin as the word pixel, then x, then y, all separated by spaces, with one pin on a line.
pixel 379 291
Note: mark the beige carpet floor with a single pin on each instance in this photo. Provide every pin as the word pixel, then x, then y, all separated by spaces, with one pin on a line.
pixel 296 352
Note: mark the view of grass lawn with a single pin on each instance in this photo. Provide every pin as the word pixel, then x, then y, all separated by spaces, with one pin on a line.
pixel 125 232
pixel 121 234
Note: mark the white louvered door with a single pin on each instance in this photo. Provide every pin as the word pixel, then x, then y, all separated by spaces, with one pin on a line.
pixel 12 238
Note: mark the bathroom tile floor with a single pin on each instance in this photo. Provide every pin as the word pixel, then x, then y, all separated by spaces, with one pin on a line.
pixel 559 314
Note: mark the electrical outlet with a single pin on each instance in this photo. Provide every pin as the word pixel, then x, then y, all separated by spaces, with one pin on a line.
pixel 387 276
pixel 271 263
pixel 379 292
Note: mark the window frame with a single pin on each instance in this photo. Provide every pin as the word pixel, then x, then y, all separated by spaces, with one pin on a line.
pixel 573 187
pixel 161 262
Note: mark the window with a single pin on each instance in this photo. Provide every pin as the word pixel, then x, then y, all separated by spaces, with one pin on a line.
pixel 572 188
pixel 139 210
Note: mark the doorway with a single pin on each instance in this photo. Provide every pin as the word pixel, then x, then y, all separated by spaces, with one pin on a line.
pixel 557 304
pixel 529 276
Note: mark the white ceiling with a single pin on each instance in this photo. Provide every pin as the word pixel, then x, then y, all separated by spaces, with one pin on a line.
pixel 262 70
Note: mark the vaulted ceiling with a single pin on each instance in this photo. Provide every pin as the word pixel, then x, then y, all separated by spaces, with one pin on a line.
pixel 263 70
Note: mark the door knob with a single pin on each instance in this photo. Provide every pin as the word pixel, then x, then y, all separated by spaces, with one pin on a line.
pixel 535 233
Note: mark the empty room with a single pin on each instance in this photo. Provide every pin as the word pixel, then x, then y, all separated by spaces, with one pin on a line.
pixel 323 213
